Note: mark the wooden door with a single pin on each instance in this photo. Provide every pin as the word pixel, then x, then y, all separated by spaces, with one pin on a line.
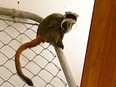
pixel 100 61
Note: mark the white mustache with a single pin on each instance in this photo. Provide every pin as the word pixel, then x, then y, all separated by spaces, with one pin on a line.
pixel 70 23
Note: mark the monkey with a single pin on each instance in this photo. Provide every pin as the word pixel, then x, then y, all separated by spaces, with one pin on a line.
pixel 51 30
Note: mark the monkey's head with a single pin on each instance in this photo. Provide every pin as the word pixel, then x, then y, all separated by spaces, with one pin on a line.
pixel 70 19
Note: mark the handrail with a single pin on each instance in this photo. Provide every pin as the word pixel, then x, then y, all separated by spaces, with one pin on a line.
pixel 65 67
pixel 20 14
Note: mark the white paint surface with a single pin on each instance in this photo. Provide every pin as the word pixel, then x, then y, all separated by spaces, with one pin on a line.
pixel 75 41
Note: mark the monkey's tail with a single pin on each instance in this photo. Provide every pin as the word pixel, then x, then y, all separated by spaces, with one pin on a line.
pixel 23 47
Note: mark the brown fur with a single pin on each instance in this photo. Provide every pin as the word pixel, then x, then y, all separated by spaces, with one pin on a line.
pixel 23 47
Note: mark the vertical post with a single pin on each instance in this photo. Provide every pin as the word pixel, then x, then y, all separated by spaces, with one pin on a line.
pixel 65 67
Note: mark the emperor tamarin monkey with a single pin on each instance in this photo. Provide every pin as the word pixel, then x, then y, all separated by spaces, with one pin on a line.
pixel 51 30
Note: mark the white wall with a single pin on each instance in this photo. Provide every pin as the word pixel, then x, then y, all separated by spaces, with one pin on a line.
pixel 75 41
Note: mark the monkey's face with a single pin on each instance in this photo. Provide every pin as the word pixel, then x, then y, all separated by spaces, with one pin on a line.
pixel 67 24
pixel 69 20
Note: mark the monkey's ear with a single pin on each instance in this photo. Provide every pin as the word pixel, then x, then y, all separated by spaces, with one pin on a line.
pixel 66 12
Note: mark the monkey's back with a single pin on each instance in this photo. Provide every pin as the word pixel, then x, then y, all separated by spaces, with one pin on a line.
pixel 51 26
pixel 51 21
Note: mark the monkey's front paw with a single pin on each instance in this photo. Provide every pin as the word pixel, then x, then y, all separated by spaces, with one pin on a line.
pixel 61 46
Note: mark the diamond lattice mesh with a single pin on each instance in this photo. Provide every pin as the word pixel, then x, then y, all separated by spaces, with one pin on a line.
pixel 39 63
